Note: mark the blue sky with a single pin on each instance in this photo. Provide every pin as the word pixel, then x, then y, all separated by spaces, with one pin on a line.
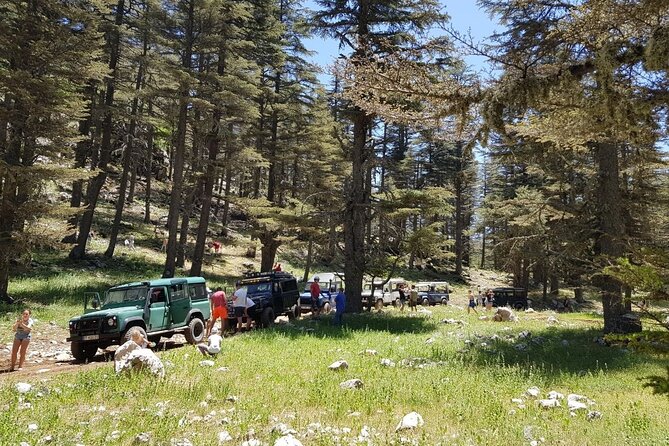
pixel 465 17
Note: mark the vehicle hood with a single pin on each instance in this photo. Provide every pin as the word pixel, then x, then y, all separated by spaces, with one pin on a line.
pixel 104 313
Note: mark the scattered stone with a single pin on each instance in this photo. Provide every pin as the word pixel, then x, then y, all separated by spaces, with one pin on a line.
pixel 223 369
pixel 483 318
pixel 576 405
pixel 549 404
pixel 232 398
pixel 287 440
pixel 114 435
pixel 533 391
pixel 565 343
pixel 351 384
pixel 43 370
pixel 504 314
pixel 594 415
pixel 63 357
pixel 224 437
pixel 283 429
pixel 32 427
pixel 521 347
pixel 47 439
pixel 371 352
pixel 524 335
pixel 131 356
pixel 354 414
pixel 530 310
pixel 553 395
pixel 429 341
pixel 453 321
pixel 23 387
pixel 143 437
pixel 552 320
pixel 207 363
pixel 181 442
pixel 387 362
pixel 338 365
pixel 24 406
pixel 410 421
pixel 252 442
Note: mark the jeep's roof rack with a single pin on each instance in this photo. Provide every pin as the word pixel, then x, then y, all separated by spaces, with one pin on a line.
pixel 268 274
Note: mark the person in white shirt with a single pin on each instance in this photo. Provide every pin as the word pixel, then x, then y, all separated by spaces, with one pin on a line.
pixel 213 347
pixel 241 304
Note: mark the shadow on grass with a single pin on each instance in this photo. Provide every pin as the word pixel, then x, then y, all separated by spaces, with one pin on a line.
pixel 553 352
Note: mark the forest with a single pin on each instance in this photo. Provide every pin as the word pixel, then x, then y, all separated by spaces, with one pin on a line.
pixel 552 167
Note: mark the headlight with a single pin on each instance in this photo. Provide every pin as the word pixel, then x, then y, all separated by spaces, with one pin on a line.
pixel 73 326
pixel 111 321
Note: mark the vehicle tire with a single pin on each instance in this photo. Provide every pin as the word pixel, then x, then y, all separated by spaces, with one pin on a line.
pixel 379 304
pixel 295 312
pixel 425 302
pixel 325 309
pixel 83 351
pixel 267 317
pixel 128 333
pixel 444 301
pixel 396 303
pixel 195 331
pixel 519 306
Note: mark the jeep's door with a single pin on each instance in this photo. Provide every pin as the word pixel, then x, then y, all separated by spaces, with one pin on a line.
pixel 158 314
pixel 179 302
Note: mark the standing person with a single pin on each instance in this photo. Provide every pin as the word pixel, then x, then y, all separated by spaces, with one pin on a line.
pixel 472 303
pixel 413 298
pixel 403 296
pixel 219 310
pixel 340 306
pixel 488 300
pixel 315 291
pixel 23 327
pixel 240 304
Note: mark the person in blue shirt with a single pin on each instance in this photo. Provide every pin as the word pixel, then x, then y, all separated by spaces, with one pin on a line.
pixel 340 306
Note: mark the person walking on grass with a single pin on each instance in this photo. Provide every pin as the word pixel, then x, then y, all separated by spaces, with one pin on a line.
pixel 340 307
pixel 22 328
pixel 219 310
pixel 472 303
pixel 413 298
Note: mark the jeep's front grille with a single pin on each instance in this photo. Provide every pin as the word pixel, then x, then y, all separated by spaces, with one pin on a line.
pixel 89 324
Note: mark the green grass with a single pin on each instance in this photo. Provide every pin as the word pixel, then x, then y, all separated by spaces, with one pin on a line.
pixel 463 389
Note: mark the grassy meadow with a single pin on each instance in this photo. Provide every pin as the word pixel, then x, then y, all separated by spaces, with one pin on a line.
pixel 461 378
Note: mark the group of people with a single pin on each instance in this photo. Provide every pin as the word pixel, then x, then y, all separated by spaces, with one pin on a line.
pixel 481 299
pixel 402 290
pixel 339 300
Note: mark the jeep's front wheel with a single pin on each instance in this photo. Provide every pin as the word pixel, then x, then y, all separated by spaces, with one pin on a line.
pixel 267 317
pixel 444 301
pixel 83 351
pixel 195 331
pixel 326 308
pixel 295 312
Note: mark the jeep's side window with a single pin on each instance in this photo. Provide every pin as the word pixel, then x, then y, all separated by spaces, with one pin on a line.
pixel 177 292
pixel 197 291
pixel 289 285
pixel 157 295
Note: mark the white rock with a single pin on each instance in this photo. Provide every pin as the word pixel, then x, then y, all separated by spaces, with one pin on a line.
pixel 23 387
pixel 63 357
pixel 181 442
pixel 371 352
pixel 553 395
pixel 43 370
pixel 594 415
pixel 410 421
pixel 131 356
pixel 552 320
pixel 549 404
pixel 24 443
pixel 521 347
pixel 517 400
pixel 530 310
pixel 351 384
pixel 387 362
pixel 114 435
pixel 224 437
pixel 207 363
pixel 576 405
pixel 223 369
pixel 533 391
pixel 287 440
pixel 232 398
pixel 47 439
pixel 338 365
pixel 143 437
pixel 429 341
pixel 453 321
pixel 565 343
pixel 283 429
pixel 252 442
pixel 32 427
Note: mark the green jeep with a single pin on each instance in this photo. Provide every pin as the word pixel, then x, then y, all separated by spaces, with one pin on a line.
pixel 155 308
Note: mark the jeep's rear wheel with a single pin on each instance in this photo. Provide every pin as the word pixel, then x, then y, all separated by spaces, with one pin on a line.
pixel 195 331
pixel 83 351
pixel 326 308
pixel 136 329
pixel 267 317
pixel 444 301
pixel 379 304
pixel 397 303
pixel 425 302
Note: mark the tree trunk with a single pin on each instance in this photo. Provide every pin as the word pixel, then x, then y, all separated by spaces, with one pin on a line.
pixel 608 243
pixel 270 245
pixel 180 150
pixel 149 171
pixel 307 263
pixel 127 161
pixel 95 185
pixel 459 209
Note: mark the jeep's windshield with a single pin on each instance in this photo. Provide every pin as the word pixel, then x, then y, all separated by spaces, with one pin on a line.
pixel 257 288
pixel 125 295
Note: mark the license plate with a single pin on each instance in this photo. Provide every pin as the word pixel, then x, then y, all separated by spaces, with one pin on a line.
pixel 90 337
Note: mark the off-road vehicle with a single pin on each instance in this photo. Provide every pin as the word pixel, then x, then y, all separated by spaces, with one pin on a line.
pixel 330 284
pixel 273 294
pixel 155 308
pixel 510 297
pixel 432 293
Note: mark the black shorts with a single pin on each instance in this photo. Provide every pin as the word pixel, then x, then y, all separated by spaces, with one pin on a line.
pixel 239 311
pixel 314 304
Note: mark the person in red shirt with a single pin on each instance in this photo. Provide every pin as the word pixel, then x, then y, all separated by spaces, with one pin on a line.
pixel 217 247
pixel 315 294
pixel 219 310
